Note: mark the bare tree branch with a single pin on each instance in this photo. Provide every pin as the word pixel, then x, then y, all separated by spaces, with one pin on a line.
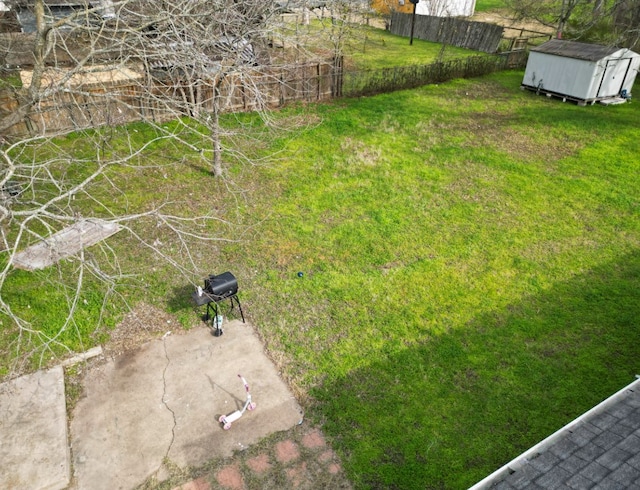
pixel 189 61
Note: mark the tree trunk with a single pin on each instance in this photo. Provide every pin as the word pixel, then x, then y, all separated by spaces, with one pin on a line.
pixel 215 141
pixel 562 20
pixel 597 8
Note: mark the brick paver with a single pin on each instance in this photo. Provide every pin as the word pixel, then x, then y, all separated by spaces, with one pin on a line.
pixel 260 464
pixel 303 460
pixel 230 477
pixel 287 451
pixel 297 475
pixel 313 440
pixel 199 484
pixel 326 456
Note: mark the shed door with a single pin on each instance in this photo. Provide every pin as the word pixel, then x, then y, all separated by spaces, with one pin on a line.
pixel 613 77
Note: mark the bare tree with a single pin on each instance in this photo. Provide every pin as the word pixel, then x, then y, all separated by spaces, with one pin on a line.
pixel 612 22
pixel 343 25
pixel 328 29
pixel 626 22
pixel 185 62
pixel 386 8
pixel 598 7
pixel 553 13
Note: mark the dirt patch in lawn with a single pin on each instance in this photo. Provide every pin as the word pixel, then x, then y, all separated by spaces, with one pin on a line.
pixel 512 25
pixel 145 322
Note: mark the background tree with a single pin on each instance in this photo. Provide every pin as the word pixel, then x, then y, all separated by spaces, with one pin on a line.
pixel 626 22
pixel 611 22
pixel 343 26
pixel 386 8
pixel 552 13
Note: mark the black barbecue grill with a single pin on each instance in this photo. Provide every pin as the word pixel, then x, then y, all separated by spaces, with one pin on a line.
pixel 222 286
pixel 217 288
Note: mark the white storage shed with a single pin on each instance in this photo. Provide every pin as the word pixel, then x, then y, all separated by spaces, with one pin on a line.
pixel 585 73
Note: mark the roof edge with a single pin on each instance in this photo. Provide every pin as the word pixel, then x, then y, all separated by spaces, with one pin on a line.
pixel 520 460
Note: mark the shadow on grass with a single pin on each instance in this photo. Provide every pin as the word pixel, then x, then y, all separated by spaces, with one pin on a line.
pixel 181 301
pixel 450 410
pixel 205 171
pixel 181 298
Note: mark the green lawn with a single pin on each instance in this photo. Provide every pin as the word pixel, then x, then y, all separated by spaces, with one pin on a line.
pixel 378 49
pixel 470 259
pixel 370 48
pixel 486 5
pixel 471 274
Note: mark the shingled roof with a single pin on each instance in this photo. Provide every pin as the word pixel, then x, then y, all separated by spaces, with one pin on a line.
pixel 600 449
pixel 574 49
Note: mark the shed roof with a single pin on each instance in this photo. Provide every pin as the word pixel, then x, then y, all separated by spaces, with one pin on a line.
pixel 600 449
pixel 574 49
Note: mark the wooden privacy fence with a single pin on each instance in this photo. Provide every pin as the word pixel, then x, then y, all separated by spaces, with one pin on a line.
pixel 358 83
pixel 523 39
pixel 130 100
pixel 462 33
pixel 112 103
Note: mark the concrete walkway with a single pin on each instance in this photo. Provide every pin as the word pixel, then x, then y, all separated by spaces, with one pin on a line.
pixel 150 407
pixel 34 452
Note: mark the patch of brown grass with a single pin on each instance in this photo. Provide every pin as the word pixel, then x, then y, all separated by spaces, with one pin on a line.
pixel 143 323
pixel 500 131
pixel 360 153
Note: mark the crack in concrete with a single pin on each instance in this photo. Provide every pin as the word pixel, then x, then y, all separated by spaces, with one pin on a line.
pixel 164 394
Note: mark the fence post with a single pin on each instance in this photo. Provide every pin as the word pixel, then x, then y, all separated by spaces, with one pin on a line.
pixel 413 20
pixel 337 74
pixel 282 92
